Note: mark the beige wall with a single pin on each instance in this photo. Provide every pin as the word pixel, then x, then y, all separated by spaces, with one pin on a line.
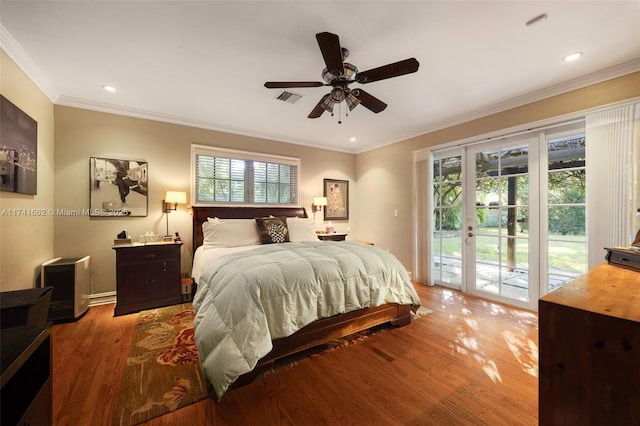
pixel 81 134
pixel 27 241
pixel 383 176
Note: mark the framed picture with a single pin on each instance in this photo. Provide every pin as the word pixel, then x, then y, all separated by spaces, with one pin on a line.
pixel 337 193
pixel 117 187
pixel 18 150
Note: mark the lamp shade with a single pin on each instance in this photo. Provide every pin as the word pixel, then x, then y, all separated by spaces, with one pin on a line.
pixel 320 201
pixel 175 197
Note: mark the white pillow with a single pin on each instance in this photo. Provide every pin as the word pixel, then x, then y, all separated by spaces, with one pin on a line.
pixel 230 233
pixel 301 229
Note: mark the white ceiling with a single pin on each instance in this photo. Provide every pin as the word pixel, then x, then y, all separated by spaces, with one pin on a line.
pixel 204 63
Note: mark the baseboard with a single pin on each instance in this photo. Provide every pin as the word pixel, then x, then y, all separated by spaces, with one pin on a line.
pixel 102 298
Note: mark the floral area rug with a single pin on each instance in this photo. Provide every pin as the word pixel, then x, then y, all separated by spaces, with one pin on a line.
pixel 162 373
pixel 163 370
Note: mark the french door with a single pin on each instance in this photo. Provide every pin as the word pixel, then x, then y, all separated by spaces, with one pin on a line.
pixel 508 216
pixel 501 221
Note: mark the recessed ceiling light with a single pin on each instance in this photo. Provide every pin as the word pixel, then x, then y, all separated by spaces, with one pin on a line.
pixel 572 56
pixel 353 140
pixel 108 88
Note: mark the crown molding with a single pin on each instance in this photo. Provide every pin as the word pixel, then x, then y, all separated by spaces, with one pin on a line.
pixel 11 47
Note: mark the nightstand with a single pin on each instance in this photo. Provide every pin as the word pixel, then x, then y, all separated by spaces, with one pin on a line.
pixel 332 237
pixel 147 276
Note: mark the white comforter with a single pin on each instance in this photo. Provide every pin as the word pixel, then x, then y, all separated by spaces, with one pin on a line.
pixel 245 300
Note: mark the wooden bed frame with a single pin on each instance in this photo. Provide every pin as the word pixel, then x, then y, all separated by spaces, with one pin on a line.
pixel 318 332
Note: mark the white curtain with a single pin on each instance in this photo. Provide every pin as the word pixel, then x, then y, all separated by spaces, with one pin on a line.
pixel 612 170
pixel 635 161
pixel 422 216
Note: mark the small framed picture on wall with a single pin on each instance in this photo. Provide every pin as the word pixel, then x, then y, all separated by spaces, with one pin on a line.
pixel 337 193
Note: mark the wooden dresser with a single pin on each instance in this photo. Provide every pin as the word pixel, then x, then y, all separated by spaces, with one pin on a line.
pixel 589 344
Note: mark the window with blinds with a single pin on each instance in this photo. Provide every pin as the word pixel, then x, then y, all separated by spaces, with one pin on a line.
pixel 237 177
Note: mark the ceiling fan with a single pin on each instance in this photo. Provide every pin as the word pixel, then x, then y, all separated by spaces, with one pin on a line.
pixel 339 74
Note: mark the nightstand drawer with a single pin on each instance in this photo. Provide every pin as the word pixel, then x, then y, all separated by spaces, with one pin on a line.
pixel 151 253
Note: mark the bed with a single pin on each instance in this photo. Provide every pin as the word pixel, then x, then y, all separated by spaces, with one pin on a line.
pixel 229 361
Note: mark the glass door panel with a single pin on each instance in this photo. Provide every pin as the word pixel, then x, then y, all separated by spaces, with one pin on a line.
pixel 446 268
pixel 566 209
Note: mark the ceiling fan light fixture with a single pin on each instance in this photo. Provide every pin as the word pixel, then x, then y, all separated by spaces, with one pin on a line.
pixel 352 101
pixel 327 76
pixel 349 74
pixel 328 104
pixel 350 71
pixel 337 94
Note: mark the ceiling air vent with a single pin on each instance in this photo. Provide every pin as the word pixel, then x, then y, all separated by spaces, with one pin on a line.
pixel 289 97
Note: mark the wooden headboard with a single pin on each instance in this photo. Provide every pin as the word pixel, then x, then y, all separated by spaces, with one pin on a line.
pixel 200 215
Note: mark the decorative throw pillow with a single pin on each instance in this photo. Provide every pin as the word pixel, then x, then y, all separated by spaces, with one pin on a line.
pixel 273 229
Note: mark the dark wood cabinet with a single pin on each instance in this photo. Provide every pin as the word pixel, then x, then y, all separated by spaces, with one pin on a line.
pixel 589 343
pixel 148 276
pixel 26 375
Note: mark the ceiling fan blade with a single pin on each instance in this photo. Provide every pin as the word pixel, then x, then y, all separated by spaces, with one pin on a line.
pixel 395 69
pixel 368 101
pixel 319 108
pixel 331 52
pixel 288 84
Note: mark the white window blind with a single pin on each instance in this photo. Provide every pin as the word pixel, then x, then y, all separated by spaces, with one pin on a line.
pixel 222 176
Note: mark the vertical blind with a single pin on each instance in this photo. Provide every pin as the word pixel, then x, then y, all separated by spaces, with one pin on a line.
pixel 238 177
pixel 610 188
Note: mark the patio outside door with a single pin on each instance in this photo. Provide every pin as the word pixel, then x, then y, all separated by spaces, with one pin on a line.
pixel 501 232
pixel 509 216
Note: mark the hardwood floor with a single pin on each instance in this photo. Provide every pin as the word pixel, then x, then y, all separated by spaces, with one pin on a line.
pixel 471 361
